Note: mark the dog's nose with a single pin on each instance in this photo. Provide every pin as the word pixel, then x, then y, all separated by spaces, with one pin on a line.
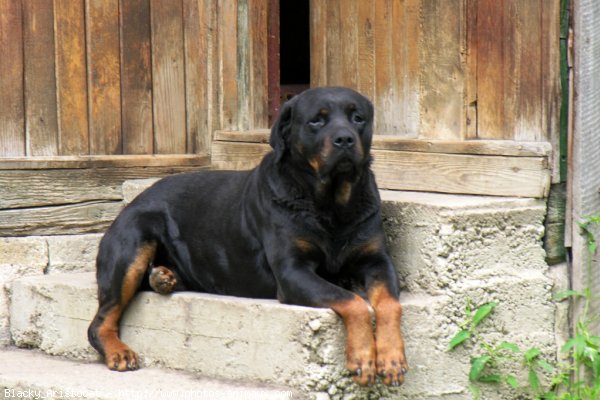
pixel 343 140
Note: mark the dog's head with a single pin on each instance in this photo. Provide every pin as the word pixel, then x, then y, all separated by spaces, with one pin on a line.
pixel 327 131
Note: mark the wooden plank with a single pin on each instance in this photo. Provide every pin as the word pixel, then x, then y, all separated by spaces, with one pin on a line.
pixel 348 40
pixel 243 66
pixel 41 120
pixel 366 48
pixel 383 96
pixel 386 142
pixel 12 114
pixel 405 66
pixel 136 77
pixel 198 79
pixel 73 219
pixel 471 70
pixel 69 37
pixel 71 186
pixel 104 77
pixel 442 70
pixel 228 60
pixel 318 42
pixel 129 161
pixel 259 55
pixel 551 90
pixel 432 172
pixel 462 174
pixel 168 77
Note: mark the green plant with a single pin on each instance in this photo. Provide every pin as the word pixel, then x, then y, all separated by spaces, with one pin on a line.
pixel 576 377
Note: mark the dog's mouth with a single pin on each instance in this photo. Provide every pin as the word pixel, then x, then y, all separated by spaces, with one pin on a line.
pixel 345 167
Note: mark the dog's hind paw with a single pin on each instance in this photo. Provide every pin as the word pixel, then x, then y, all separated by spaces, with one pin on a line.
pixel 162 280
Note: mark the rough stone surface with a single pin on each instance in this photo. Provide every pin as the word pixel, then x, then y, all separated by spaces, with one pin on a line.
pixel 18 257
pixel 72 252
pixel 136 186
pixel 28 374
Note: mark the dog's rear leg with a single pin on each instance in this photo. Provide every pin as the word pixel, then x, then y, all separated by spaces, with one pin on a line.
pixel 103 332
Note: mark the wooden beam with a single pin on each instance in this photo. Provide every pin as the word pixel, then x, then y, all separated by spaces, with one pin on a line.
pixel 385 142
pixel 70 219
pixel 184 160
pixel 425 171
pixel 48 187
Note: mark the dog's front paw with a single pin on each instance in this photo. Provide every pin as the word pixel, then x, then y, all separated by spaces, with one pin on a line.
pixel 361 363
pixel 391 362
pixel 162 280
pixel 122 359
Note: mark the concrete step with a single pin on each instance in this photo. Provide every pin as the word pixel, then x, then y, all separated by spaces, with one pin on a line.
pixel 33 375
pixel 449 250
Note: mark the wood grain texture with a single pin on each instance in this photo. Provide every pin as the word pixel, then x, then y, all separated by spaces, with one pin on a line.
pixel 442 69
pixel 128 161
pixel 104 76
pixel 514 74
pixel 71 82
pixel 420 171
pixel 387 142
pixel 259 55
pixel 198 19
pixel 12 113
pixel 90 217
pixel 41 120
pixel 71 186
pixel 168 77
pixel 136 77
pixel 227 90
pixel 318 42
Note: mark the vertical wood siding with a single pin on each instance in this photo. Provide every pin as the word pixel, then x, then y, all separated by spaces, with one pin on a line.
pixel 104 77
pixel 445 69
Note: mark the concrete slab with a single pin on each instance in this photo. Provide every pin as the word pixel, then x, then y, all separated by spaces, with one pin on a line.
pixel 32 375
pixel 242 339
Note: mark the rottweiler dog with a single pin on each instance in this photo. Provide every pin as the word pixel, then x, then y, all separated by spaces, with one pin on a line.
pixel 304 227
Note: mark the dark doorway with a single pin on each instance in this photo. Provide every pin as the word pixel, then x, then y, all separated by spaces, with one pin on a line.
pixel 295 47
pixel 289 51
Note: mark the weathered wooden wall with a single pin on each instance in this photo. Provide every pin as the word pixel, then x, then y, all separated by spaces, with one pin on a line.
pixel 445 69
pixel 116 78
pixel 110 77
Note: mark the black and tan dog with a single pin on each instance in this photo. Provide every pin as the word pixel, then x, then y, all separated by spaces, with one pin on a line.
pixel 303 227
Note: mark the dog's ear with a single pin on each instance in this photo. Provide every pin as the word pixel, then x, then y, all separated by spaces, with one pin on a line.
pixel 281 128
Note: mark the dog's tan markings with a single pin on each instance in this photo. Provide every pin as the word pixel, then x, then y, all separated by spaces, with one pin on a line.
pixel 371 247
pixel 343 193
pixel 360 343
pixel 117 355
pixel 391 361
pixel 304 245
pixel 327 148
pixel 315 164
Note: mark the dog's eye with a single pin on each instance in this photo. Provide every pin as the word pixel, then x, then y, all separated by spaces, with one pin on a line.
pixel 317 122
pixel 357 119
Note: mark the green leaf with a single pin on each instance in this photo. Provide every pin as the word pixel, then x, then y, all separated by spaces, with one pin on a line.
pixel 475 391
pixel 567 346
pixel 547 367
pixel 508 346
pixel 493 378
pixel 459 338
pixel 534 381
pixel 532 353
pixel 566 294
pixel 477 366
pixel 483 312
pixel 512 381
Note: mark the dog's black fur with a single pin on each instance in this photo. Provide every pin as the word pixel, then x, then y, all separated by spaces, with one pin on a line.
pixel 303 227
